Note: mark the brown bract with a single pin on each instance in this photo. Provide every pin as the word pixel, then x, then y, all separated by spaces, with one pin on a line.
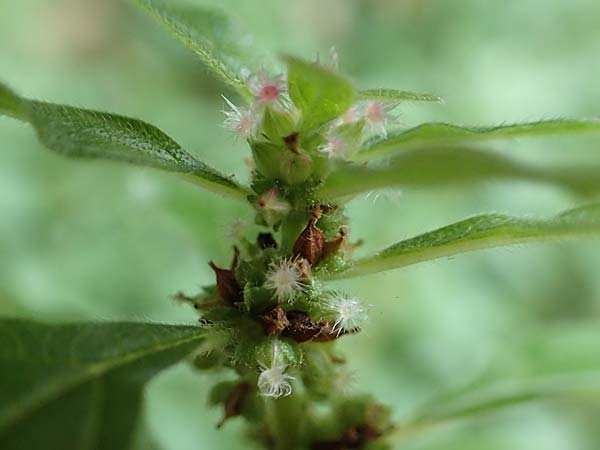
pixel 234 402
pixel 334 245
pixel 311 242
pixel 354 437
pixel 299 326
pixel 227 285
pixel 275 321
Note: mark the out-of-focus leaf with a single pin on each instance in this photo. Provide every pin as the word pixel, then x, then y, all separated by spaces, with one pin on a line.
pixel 451 166
pixel 319 93
pixel 10 103
pixel 396 95
pixel 213 36
pixel 545 363
pixel 80 385
pixel 443 133
pixel 81 133
pixel 582 387
pixel 476 233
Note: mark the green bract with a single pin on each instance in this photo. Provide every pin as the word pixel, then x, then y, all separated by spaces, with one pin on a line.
pixel 271 318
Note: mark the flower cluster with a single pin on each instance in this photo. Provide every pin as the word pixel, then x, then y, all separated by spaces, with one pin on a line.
pixel 375 116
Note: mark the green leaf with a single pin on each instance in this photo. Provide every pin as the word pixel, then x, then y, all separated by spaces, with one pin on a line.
pixel 319 93
pixel 451 166
pixel 552 362
pixel 10 103
pixel 476 233
pixel 472 405
pixel 80 385
pixel 213 36
pixel 396 95
pixel 443 133
pixel 81 133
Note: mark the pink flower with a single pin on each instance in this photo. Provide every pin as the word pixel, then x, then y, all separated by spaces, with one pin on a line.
pixel 267 89
pixel 273 207
pixel 352 115
pixel 377 116
pixel 335 147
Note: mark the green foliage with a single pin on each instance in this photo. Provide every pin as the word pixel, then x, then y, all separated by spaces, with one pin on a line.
pixel 213 36
pixel 444 133
pixel 476 233
pixel 81 133
pixel 89 376
pixel 10 103
pixel 502 395
pixel 270 320
pixel 320 94
pixel 569 374
pixel 445 166
pixel 397 95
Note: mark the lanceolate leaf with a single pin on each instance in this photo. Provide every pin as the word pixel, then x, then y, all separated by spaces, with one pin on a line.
pixel 495 398
pixel 396 95
pixel 451 166
pixel 547 363
pixel 443 133
pixel 211 35
pixel 80 386
pixel 81 133
pixel 319 93
pixel 476 233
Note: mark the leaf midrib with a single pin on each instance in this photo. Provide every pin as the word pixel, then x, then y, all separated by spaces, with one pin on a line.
pixel 40 397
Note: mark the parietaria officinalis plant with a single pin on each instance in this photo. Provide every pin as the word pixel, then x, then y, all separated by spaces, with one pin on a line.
pixel 271 317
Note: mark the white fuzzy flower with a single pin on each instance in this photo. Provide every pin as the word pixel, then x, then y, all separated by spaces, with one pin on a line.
pixel 285 278
pixel 274 382
pixel 348 312
pixel 240 121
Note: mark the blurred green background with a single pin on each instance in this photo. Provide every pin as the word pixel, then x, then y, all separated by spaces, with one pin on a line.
pixel 104 241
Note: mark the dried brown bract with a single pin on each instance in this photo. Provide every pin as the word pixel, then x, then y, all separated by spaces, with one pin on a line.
pixel 335 244
pixel 327 332
pixel 311 242
pixel 227 285
pixel 301 327
pixel 354 437
pixel 275 321
pixel 234 402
